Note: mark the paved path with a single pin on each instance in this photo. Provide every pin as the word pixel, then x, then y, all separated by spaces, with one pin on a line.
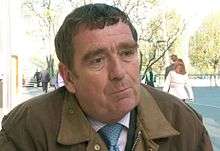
pixel 29 92
pixel 207 102
pixel 26 93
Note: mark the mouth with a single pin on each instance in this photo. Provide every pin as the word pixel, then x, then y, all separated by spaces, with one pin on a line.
pixel 120 91
pixel 122 94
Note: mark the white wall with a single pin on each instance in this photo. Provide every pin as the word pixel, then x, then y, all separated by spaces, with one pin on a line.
pixel 5 50
pixel 11 42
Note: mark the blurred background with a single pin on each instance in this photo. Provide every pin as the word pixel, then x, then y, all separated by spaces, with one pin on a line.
pixel 188 28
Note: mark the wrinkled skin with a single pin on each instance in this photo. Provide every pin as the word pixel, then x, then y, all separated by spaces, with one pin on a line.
pixel 106 66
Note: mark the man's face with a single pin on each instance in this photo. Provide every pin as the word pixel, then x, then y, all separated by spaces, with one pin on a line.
pixel 106 63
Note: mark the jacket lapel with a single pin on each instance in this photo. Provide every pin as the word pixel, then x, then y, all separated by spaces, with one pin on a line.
pixel 74 127
pixel 152 119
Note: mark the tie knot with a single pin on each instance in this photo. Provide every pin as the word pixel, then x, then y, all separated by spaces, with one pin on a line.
pixel 110 134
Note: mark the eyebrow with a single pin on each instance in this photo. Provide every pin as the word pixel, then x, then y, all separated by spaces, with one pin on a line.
pixel 128 45
pixel 94 52
pixel 101 50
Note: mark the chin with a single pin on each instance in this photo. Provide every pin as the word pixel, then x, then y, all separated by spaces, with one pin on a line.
pixel 125 107
pixel 127 104
pixel 117 114
pixel 115 118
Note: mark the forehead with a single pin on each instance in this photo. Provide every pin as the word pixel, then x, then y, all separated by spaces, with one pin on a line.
pixel 108 36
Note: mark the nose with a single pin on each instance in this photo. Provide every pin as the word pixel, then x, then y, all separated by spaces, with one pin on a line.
pixel 116 69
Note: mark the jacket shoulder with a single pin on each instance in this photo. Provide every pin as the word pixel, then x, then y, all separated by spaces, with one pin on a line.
pixel 34 111
pixel 173 108
pixel 184 119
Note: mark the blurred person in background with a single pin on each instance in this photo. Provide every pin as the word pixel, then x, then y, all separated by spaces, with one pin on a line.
pixel 178 83
pixel 59 81
pixel 37 76
pixel 149 77
pixel 45 79
pixel 171 67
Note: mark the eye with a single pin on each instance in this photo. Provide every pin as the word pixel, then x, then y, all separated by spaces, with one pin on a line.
pixel 128 54
pixel 96 62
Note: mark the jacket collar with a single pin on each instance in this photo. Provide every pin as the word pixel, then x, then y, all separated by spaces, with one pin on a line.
pixel 152 119
pixel 75 128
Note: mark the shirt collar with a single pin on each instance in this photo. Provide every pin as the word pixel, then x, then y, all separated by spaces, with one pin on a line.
pixel 98 125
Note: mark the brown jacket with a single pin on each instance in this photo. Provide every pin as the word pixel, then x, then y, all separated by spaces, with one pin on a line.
pixel 55 122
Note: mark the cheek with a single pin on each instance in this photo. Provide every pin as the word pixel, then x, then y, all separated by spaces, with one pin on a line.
pixel 90 92
pixel 133 71
pixel 92 84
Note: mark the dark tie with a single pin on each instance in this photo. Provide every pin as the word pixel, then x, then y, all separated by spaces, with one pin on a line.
pixel 110 134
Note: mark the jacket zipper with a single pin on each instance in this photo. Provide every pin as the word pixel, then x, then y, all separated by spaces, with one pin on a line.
pixel 138 138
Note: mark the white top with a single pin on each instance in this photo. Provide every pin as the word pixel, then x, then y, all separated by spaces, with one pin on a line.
pixel 178 85
pixel 60 81
pixel 123 136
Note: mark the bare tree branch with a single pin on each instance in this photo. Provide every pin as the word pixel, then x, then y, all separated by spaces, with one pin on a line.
pixel 169 43
pixel 126 5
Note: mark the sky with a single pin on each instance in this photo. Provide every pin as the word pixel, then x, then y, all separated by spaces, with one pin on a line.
pixel 193 11
pixel 189 7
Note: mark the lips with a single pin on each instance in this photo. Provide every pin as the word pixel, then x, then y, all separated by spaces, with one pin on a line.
pixel 120 91
pixel 122 94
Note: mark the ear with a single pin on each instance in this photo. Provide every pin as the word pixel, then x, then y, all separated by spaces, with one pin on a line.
pixel 67 78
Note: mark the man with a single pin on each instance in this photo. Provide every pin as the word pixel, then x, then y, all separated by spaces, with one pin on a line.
pixel 45 79
pixel 102 106
pixel 37 76
pixel 149 77
pixel 173 59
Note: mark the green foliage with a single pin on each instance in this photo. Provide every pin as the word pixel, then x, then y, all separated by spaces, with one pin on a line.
pixel 205 46
pixel 161 35
pixel 38 61
pixel 158 34
pixel 46 14
pixel 50 65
